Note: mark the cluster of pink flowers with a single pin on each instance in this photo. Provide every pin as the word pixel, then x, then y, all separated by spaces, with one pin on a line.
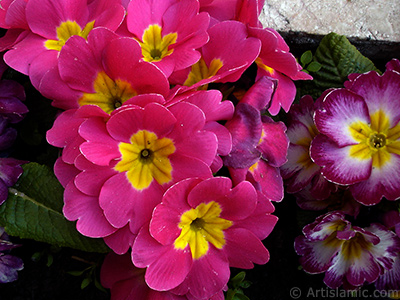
pixel 344 155
pixel 146 136
pixel 171 155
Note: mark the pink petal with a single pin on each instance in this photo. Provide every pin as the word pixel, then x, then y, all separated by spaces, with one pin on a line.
pixel 77 64
pixel 99 147
pixel 284 94
pixel 109 14
pixel 243 249
pixel 223 136
pixel 143 13
pixel 229 40
pixel 169 270
pixel 53 87
pixel 91 221
pixel 275 143
pixel 122 60
pixel 154 118
pixel 64 172
pixel 208 275
pixel 186 167
pixel 260 93
pixel 219 189
pixel 190 119
pixel 24 52
pixel 121 240
pixel 269 179
pixel 210 102
pixel 260 222
pixel 122 203
pixel 55 12
pixel 91 180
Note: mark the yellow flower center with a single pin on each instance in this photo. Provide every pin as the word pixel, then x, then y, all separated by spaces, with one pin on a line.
pixel 155 46
pixel 65 31
pixel 200 71
pixel 109 94
pixel 201 226
pixel 353 248
pixel 146 158
pixel 263 66
pixel 376 141
pixel 305 159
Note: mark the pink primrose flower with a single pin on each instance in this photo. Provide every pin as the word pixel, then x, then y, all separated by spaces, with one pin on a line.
pixel 224 58
pixel 277 62
pixel 168 32
pixel 104 70
pixel 359 141
pixel 199 230
pixel 116 168
pixel 348 255
pixel 51 24
pixel 83 204
pixel 300 172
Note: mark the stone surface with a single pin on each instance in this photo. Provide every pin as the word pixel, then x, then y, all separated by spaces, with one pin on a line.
pixel 366 19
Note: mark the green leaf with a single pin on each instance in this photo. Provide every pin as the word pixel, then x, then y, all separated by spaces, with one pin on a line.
pixel 238 279
pixel 240 297
pixel 338 58
pixel 85 282
pixel 314 67
pixel 33 210
pixel 245 284
pixel 50 260
pixel 306 58
pixel 76 273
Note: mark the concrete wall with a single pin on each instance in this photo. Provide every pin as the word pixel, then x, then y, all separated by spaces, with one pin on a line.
pixel 371 19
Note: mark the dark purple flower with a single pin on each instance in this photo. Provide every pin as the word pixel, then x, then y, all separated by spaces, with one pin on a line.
pixel 9 264
pixel 10 170
pixel 11 96
pixel 259 145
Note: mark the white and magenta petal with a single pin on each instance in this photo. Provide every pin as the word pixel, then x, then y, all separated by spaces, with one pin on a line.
pixel 343 117
pixel 380 92
pixel 383 182
pixel 337 165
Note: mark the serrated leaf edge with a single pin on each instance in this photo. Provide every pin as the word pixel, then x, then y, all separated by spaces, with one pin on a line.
pixel 26 197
